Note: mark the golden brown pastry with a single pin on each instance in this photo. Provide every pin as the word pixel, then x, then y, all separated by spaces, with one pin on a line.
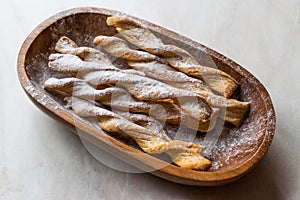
pixel 146 89
pixel 178 58
pixel 151 66
pixel 178 99
pixel 234 110
pixel 119 48
pixel 120 99
pixel 90 58
pixel 143 88
pixel 80 88
pixel 72 63
pixel 151 140
pixel 67 46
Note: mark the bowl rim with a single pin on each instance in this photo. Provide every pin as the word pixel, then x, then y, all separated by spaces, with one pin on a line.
pixel 203 177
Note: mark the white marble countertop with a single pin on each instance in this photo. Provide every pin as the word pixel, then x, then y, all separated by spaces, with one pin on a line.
pixel 40 159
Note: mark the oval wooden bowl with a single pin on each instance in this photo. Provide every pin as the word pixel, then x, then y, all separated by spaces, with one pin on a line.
pixel 82 25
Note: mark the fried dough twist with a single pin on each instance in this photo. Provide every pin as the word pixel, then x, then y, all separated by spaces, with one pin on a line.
pixel 178 58
pixel 120 99
pixel 143 88
pixel 141 61
pixel 151 140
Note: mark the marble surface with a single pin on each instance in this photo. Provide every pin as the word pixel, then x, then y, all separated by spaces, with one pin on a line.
pixel 40 159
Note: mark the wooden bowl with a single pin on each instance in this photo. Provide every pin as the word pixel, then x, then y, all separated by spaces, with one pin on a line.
pixel 238 149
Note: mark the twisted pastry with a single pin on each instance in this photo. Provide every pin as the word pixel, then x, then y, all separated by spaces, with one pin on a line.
pixel 146 89
pixel 235 110
pixel 178 58
pixel 80 88
pixel 120 99
pixel 84 58
pixel 67 46
pixel 152 141
pixel 142 88
pixel 148 64
pixel 62 63
pixel 116 98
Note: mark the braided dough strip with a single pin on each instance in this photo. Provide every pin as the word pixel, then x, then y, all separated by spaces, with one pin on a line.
pixel 80 88
pixel 146 89
pixel 235 110
pixel 62 63
pixel 70 52
pixel 185 155
pixel 186 159
pixel 142 88
pixel 178 58
pixel 159 70
pixel 122 100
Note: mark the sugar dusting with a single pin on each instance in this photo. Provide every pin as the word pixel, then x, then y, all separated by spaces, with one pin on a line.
pixel 234 143
pixel 231 143
pixel 31 90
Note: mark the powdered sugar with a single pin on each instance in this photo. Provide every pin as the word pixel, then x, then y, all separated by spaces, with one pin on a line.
pixel 176 57
pixel 31 90
pixel 43 100
pixel 230 139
